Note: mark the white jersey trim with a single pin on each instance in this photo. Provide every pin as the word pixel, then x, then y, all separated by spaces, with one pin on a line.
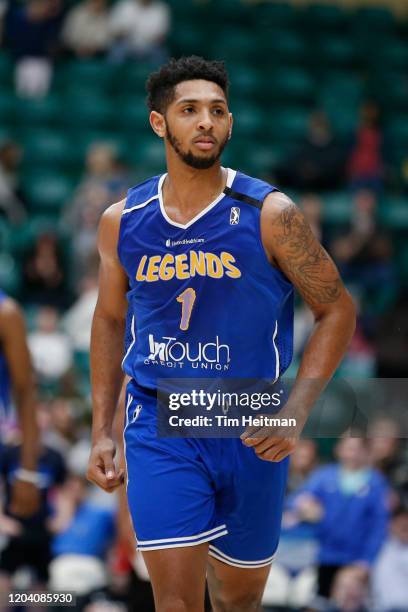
pixel 277 368
pixel 132 329
pixel 128 210
pixel 230 179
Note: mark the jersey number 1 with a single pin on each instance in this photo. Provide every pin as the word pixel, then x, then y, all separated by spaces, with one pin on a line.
pixel 187 299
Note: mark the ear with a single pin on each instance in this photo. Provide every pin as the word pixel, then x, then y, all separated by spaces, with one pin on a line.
pixel 158 124
pixel 231 122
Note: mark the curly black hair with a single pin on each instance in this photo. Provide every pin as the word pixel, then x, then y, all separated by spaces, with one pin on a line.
pixel 160 85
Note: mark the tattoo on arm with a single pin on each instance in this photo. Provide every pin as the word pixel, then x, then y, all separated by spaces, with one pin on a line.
pixel 305 260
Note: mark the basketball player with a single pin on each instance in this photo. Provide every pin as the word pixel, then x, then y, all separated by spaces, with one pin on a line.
pixel 16 377
pixel 204 260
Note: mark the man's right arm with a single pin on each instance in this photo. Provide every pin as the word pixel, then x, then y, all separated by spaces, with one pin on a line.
pixel 107 341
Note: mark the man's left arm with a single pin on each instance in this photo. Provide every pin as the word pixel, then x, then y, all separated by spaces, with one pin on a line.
pixel 292 248
pixel 25 495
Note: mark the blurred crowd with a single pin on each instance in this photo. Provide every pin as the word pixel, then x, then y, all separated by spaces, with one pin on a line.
pixel 345 537
pixel 39 31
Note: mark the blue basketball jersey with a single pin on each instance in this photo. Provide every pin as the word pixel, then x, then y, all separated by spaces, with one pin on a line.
pixel 4 374
pixel 204 301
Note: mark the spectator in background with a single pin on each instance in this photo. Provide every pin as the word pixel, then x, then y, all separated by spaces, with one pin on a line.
pixel 390 575
pixel 304 460
pixel 28 539
pixel 43 274
pixel 86 31
pixel 60 425
pixel 391 339
pixel 365 168
pixel 11 199
pixel 349 592
pixel 104 182
pixel 140 28
pixel 364 254
pixel 77 321
pixel 389 453
pixel 347 501
pixel 32 33
pixel 318 163
pixel 84 528
pixel 311 206
pixel 50 348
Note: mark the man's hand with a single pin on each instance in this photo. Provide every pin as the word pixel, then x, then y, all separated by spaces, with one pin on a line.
pixel 25 498
pixel 101 467
pixel 269 448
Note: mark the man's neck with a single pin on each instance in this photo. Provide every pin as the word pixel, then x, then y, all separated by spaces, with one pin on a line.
pixel 187 191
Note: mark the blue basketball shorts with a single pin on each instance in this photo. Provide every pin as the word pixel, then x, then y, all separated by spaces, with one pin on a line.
pixel 186 491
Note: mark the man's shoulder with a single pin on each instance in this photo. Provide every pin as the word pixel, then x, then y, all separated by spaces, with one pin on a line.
pixel 252 186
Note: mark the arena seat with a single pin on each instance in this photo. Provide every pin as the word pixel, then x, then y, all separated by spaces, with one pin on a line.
pixel 47 192
pixel 43 112
pixel 334 50
pixel 293 86
pixel 89 110
pixel 44 147
pixel 7 106
pixel 337 208
pixel 6 70
pixel 394 213
pixel 10 277
pixel 287 124
pixel 94 74
pixel 328 18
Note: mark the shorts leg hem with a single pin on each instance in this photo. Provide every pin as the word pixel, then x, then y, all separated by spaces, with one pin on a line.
pixel 220 556
pixel 183 541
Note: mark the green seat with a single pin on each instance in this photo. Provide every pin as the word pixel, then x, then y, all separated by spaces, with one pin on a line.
pixel 88 110
pixel 7 106
pixel 276 15
pixel 133 116
pixel 336 51
pixel 280 47
pixel 290 85
pixel 392 56
pixel 338 207
pixel 47 192
pixel 188 40
pixel 146 156
pixel 288 124
pixel 245 80
pixel 394 213
pixel 391 89
pixel 233 44
pixel 10 277
pixel 48 148
pixel 343 85
pixel 375 19
pixel 323 18
pixel 397 131
pixel 94 74
pixel 249 121
pixel 6 70
pixel 42 112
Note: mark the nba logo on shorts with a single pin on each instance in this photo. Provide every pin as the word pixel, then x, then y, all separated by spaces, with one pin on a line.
pixel 136 412
pixel 234 216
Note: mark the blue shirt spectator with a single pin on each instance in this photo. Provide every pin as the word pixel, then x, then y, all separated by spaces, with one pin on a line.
pixel 90 532
pixel 354 517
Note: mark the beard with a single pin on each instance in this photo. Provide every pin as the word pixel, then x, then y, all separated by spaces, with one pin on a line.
pixel 194 161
